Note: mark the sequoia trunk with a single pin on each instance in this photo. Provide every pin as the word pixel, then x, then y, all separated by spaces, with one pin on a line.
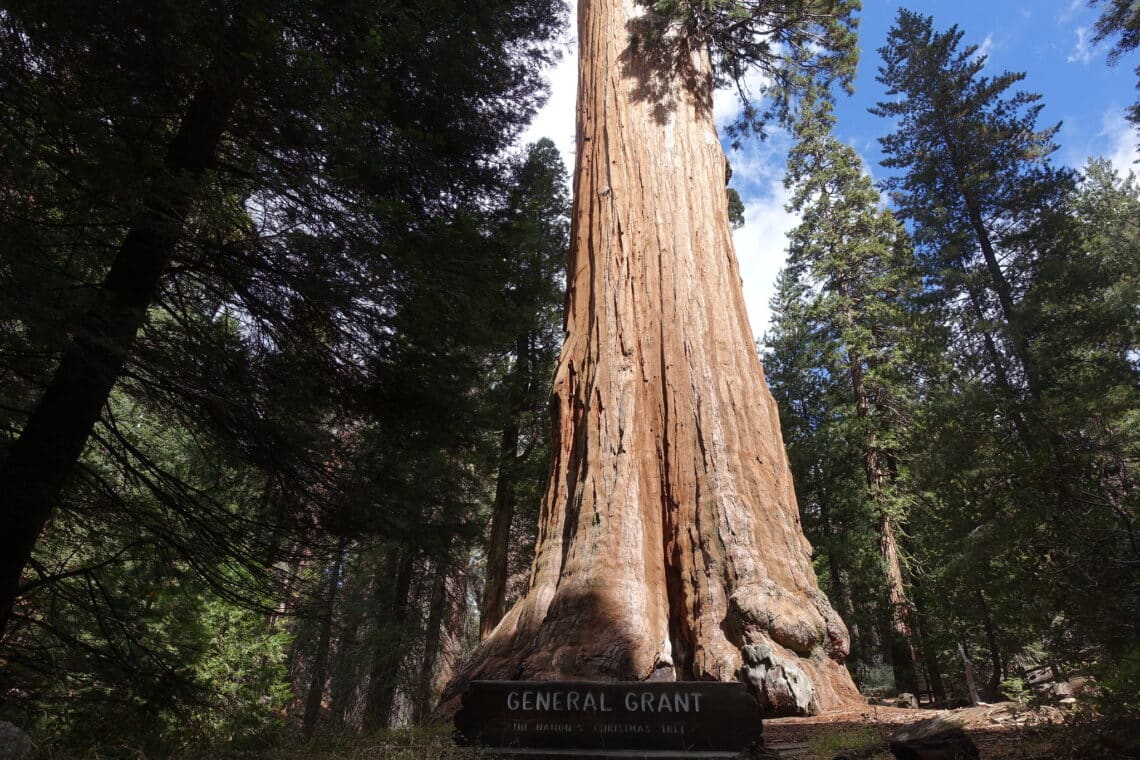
pixel 669 536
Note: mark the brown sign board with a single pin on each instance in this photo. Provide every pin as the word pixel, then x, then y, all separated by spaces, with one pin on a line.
pixel 651 716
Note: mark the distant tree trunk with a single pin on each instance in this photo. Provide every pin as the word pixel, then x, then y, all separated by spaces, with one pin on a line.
pixel 425 692
pixel 43 458
pixel 840 591
pixel 345 671
pixel 498 548
pixel 930 658
pixel 388 650
pixel 343 684
pixel 903 655
pixel 494 601
pixel 317 679
pixel 1001 376
pixel 995 651
pixel 968 668
pixel 669 535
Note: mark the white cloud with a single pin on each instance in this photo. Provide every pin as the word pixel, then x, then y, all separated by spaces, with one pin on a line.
pixel 761 248
pixel 761 244
pixel 1075 7
pixel 726 102
pixel 1084 51
pixel 1121 138
pixel 1115 141
pixel 986 46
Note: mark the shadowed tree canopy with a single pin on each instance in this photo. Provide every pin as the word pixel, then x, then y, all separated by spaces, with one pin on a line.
pixel 209 205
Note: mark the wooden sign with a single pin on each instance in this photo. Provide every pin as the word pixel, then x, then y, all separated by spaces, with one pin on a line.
pixel 667 716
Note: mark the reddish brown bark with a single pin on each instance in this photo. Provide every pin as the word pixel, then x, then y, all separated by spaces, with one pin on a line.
pixel 669 536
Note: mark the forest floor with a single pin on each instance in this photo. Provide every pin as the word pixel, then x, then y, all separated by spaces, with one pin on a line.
pixel 1004 731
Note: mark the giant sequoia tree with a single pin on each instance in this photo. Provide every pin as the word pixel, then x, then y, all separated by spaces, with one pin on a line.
pixel 669 535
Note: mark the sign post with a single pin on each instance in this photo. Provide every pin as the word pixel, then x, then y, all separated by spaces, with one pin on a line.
pixel 650 719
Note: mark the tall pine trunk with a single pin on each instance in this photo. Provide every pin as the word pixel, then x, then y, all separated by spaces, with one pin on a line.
pixel 669 535
pixel 494 600
pixel 314 698
pixel 389 645
pixel 904 658
pixel 997 279
pixel 43 458
pixel 433 641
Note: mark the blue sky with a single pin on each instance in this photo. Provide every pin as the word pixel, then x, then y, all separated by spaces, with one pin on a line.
pixel 1049 40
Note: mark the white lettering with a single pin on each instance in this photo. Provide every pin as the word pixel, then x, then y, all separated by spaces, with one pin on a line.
pixel 647 701
pixel 556 703
pixel 542 700
pixel 663 704
pixel 605 708
pixel 631 701
pixel 696 702
pixel 588 702
pixel 681 702
pixel 528 700
pixel 572 701
pixel 513 700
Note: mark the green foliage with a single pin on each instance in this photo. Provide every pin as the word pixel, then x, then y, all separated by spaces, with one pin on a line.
pixel 735 209
pixel 320 359
pixel 789 44
pixel 1001 364
pixel 242 669
pixel 1118 694
pixel 117 629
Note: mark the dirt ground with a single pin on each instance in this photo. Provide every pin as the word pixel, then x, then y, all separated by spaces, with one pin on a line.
pixel 1003 730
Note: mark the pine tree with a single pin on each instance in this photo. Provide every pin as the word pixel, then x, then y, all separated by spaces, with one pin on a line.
pixel 977 185
pixel 858 259
pixel 1013 455
pixel 535 228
